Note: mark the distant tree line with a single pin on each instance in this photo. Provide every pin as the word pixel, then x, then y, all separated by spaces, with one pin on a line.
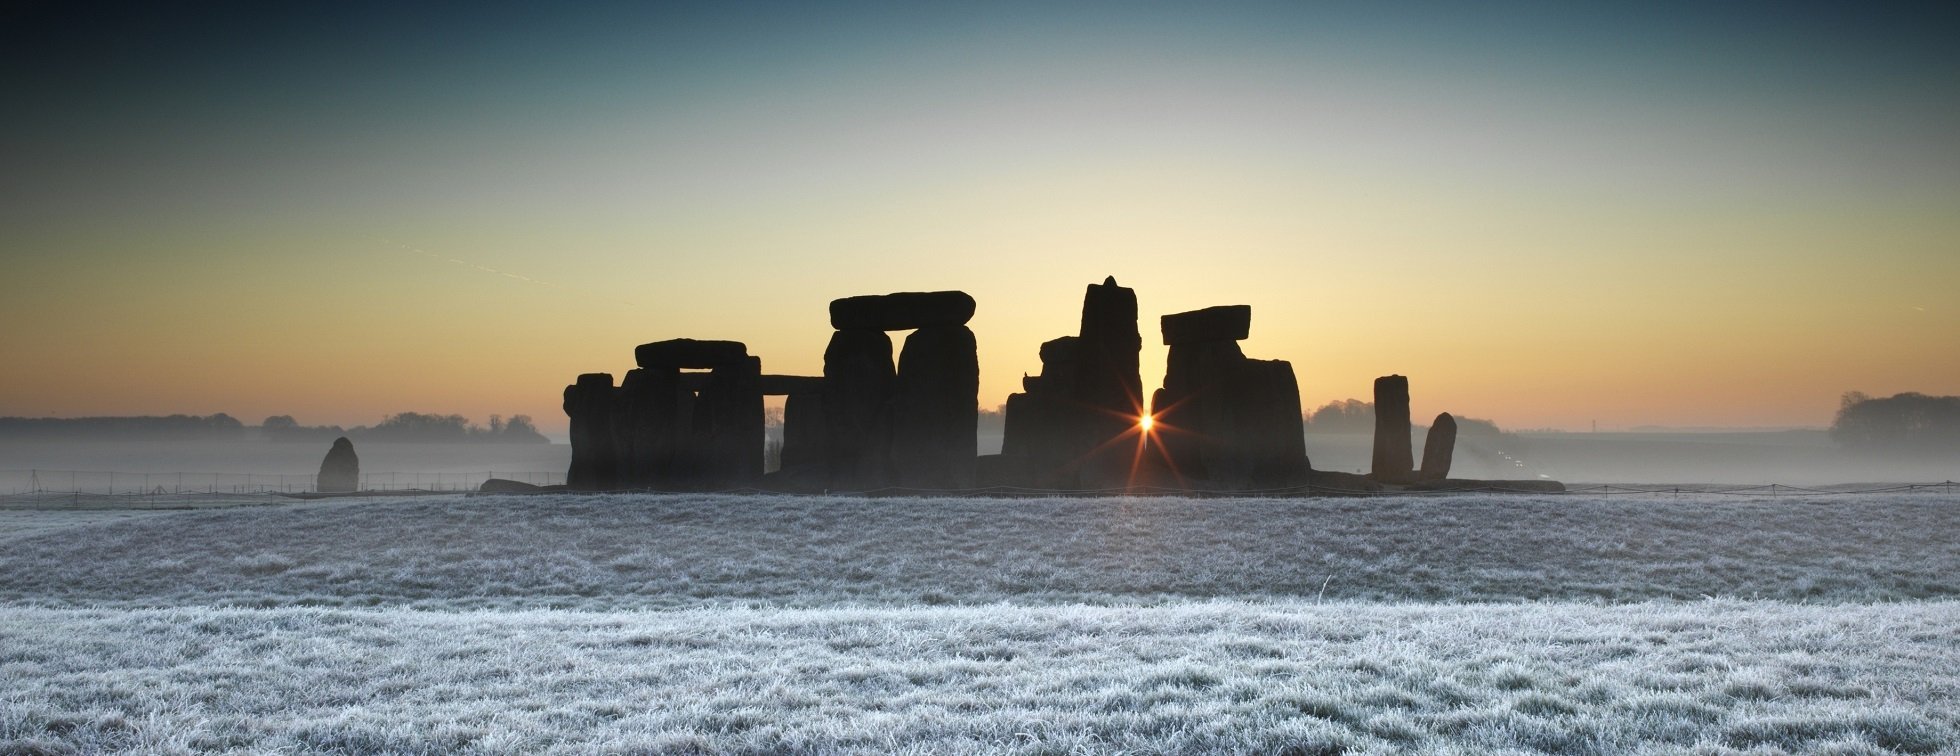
pixel 411 427
pixel 1356 416
pixel 406 427
pixel 173 427
pixel 1910 425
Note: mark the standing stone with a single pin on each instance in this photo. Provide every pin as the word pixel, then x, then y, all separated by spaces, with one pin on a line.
pixel 1190 408
pixel 803 429
pixel 1222 418
pixel 668 417
pixel 935 417
pixel 1069 426
pixel 1108 393
pixel 858 383
pixel 1439 448
pixel 340 472
pixel 595 462
pixel 734 427
pixel 1276 435
pixel 633 429
pixel 1394 459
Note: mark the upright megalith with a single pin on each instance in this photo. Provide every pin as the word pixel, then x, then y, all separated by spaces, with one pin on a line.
pixel 935 412
pixel 858 382
pixel 728 424
pixel 340 471
pixel 912 426
pixel 1067 427
pixel 691 429
pixel 635 429
pixel 595 458
pixel 803 424
pixel 1439 448
pixel 1221 417
pixel 803 430
pixel 1394 459
pixel 1108 396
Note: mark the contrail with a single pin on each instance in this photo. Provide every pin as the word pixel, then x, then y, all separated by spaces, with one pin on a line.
pixel 468 264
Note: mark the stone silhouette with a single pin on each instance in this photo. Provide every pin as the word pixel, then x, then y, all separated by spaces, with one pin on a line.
pixel 690 430
pixel 1066 428
pixel 1394 459
pixel 595 458
pixel 340 471
pixel 902 311
pixel 1221 417
pixel 1438 449
pixel 859 379
pixel 689 354
pixel 913 426
pixel 690 417
pixel 936 411
pixel 803 419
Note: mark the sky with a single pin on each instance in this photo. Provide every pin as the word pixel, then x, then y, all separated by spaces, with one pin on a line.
pixel 1546 214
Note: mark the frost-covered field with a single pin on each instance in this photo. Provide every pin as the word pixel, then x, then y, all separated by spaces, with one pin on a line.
pixel 1197 678
pixel 1469 624
pixel 659 552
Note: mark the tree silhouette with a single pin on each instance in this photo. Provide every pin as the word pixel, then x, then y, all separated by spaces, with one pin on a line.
pixel 1910 424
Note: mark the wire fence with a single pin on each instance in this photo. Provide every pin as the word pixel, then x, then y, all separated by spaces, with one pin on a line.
pixel 112 483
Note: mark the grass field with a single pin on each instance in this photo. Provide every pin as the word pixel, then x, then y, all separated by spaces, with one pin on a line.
pixel 1467 624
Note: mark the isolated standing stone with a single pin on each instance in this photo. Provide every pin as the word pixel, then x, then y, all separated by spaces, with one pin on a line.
pixel 1439 448
pixel 935 410
pixel 1394 460
pixel 340 472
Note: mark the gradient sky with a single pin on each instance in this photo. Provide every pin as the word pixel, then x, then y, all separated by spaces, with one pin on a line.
pixel 1545 214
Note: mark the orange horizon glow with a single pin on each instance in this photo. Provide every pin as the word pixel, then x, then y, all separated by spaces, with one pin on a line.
pixel 1545 217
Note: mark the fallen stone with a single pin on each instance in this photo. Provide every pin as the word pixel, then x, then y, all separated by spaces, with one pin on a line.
pixel 1495 486
pixel 500 485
